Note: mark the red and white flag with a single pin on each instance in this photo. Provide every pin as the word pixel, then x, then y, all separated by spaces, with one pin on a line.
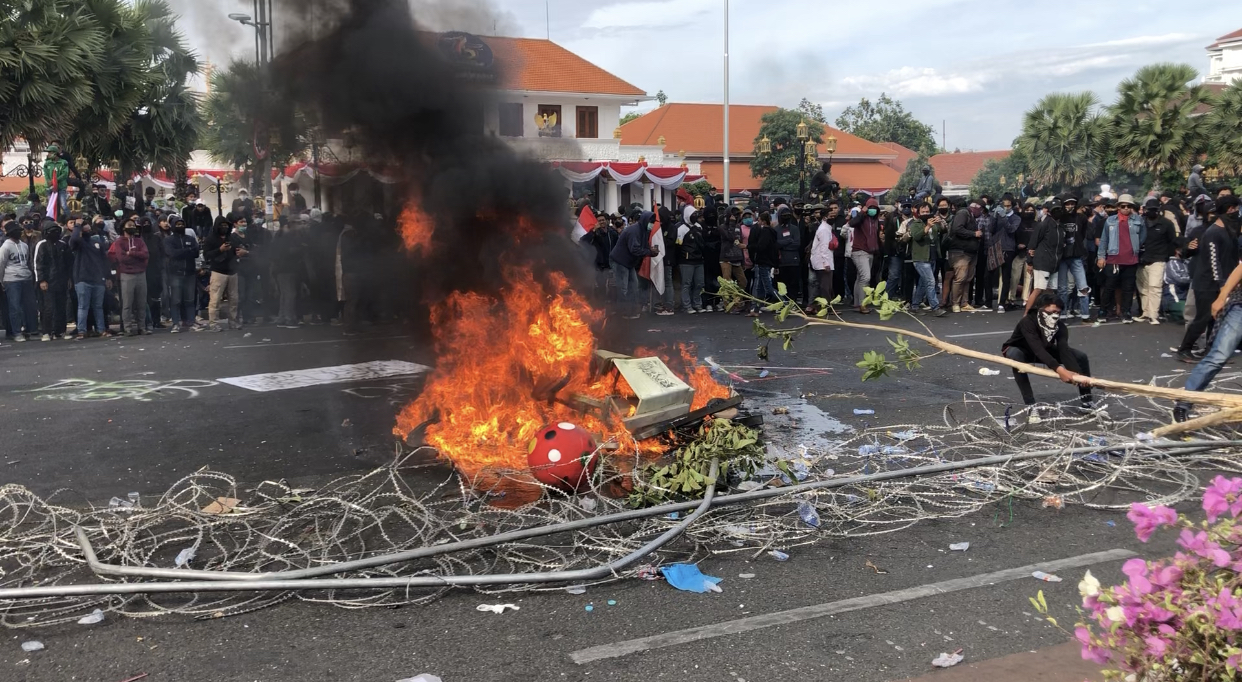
pixel 586 223
pixel 652 267
pixel 53 198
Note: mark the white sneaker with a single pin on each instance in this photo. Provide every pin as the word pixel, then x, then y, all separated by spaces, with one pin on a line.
pixel 46 337
pixel 957 309
pixel 691 311
pixel 1153 321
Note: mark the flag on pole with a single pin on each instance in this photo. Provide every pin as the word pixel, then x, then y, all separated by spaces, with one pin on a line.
pixel 53 198
pixel 652 267
pixel 586 223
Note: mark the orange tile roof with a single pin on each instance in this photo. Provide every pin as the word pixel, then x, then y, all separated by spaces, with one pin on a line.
pixel 903 156
pixel 544 66
pixel 962 167
pixel 872 176
pixel 1228 37
pixel 698 129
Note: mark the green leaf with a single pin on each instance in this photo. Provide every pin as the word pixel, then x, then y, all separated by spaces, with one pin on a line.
pixel 836 301
pixel 823 312
pixel 1043 604
pixel 788 343
pixel 1053 621
pixel 879 288
pixel 782 289
pixel 821 302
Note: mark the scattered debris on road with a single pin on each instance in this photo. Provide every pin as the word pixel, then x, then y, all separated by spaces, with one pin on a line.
pixel 948 660
pixel 1046 577
pixel 496 608
pixel 32 645
pixel 92 618
pixel 959 547
pixel 875 568
pixel 688 578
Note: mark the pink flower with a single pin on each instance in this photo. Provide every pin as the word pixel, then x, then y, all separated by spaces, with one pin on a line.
pixel 1137 570
pixel 1200 544
pixel 1156 646
pixel 1146 519
pixel 1223 496
pixel 1090 652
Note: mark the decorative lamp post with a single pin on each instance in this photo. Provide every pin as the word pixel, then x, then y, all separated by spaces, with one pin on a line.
pixel 765 146
pixel 807 145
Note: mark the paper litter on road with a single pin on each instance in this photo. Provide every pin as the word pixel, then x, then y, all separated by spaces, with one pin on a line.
pixel 988 372
pixel 92 618
pixel 860 412
pixel 1046 577
pixel 576 589
pixel 32 645
pixel 959 547
pixel 948 660
pixel 497 608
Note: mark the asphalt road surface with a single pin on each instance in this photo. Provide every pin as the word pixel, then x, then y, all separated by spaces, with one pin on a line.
pixel 107 417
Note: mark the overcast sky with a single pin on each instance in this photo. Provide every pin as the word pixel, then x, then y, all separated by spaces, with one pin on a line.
pixel 975 64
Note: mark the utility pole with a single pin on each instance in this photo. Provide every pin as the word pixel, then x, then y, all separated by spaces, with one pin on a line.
pixel 726 105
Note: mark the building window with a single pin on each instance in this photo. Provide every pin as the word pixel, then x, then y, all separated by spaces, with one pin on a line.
pixel 588 122
pixel 511 119
pixel 548 120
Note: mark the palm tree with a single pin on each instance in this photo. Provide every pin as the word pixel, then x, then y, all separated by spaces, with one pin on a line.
pixel 1061 139
pixel 240 113
pixel 150 117
pixel 1153 125
pixel 1224 128
pixel 49 50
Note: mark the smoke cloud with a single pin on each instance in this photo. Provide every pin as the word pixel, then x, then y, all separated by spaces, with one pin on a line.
pixel 370 70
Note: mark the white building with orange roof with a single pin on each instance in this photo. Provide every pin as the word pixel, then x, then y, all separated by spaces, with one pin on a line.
pixel 1225 59
pixel 695 133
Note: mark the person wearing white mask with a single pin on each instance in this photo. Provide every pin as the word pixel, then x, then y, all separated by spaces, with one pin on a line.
pixel 1042 338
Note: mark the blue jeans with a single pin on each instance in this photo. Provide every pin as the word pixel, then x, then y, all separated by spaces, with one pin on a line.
pixel 181 306
pixel 764 291
pixel 630 288
pixel 926 288
pixel 22 310
pixel 691 285
pixel 1228 334
pixel 90 298
pixel 1075 267
pixel 892 284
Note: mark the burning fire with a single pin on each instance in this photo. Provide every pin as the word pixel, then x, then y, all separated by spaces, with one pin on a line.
pixel 492 356
pixel 416 228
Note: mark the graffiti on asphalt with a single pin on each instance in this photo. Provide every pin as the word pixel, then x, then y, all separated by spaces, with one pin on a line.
pixel 140 390
pixel 397 394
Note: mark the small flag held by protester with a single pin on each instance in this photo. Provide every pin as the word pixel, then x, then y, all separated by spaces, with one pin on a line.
pixel 586 223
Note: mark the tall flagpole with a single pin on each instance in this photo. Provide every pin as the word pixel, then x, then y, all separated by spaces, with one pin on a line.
pixel 726 104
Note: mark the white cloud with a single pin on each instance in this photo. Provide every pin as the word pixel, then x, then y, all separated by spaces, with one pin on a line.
pixel 909 81
pixel 655 14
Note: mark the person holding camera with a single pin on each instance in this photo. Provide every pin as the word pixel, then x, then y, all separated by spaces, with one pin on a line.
pixel 221 258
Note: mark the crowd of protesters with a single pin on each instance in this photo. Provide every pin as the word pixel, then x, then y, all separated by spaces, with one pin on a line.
pixel 138 263
pixel 1057 259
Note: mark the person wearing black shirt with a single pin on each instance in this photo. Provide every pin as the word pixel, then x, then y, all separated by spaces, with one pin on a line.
pixel 1041 337
pixel 1158 248
pixel 1215 254
pixel 1073 252
pixel 1044 252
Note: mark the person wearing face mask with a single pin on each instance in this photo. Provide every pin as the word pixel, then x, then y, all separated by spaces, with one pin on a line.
pixel 181 251
pixel 963 249
pixel 1073 252
pixel 156 265
pixel 1042 337
pixel 822 262
pixel 1215 251
pixel 766 255
pixel 17 280
pixel 221 258
pixel 90 275
pixel 1158 248
pixel 130 255
pixel 1226 309
pixel 690 262
pixel 863 247
pixel 748 266
pixel 1118 257
pixel 789 242
pixel 731 257
pixel 668 232
pixel 1044 251
pixel 53 265
pixel 1008 221
pixel 927 185
pixel 925 232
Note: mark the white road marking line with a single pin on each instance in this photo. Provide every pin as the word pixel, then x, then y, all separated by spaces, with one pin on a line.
pixel 318 376
pixel 733 627
pixel 307 343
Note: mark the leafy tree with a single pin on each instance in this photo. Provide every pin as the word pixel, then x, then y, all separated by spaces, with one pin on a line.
pixel 661 98
pixel 698 188
pixel 780 168
pixel 1224 126
pixel 910 177
pixel 630 117
pixel 887 121
pixel 1152 127
pixel 1062 139
pixel 240 112
pixel 49 51
pixel 1000 175
pixel 143 114
pixel 812 111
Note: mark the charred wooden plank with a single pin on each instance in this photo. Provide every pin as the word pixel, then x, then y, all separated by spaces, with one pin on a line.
pixel 688 418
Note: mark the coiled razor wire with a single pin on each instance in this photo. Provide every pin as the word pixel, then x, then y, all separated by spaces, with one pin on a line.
pixel 277 527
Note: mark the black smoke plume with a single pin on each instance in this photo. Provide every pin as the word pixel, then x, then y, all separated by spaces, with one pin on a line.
pixel 367 71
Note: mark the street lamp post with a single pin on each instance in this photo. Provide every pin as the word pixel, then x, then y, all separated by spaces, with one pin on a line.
pixel 804 140
pixel 262 56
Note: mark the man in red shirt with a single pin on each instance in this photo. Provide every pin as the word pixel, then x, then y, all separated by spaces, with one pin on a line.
pixel 1118 259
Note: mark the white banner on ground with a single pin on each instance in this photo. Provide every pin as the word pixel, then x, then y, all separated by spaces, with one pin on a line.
pixel 318 376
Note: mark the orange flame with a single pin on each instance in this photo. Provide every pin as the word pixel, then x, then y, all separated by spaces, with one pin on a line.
pixel 494 354
pixel 416 228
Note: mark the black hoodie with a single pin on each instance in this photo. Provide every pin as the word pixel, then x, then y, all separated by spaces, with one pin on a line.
pixel 53 260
